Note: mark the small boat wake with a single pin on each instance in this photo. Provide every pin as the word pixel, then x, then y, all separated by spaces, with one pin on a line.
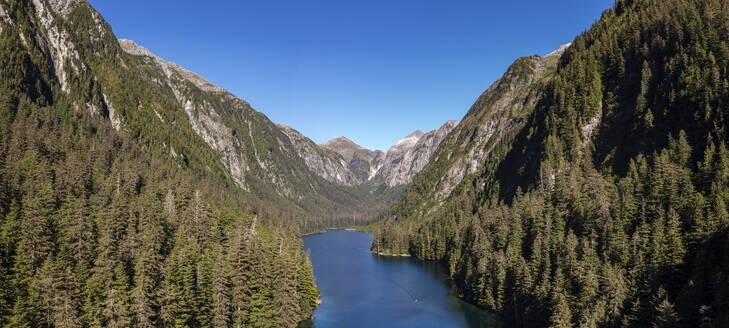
pixel 413 297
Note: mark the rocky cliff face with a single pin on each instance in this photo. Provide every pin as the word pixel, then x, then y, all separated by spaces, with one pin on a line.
pixel 363 163
pixel 169 109
pixel 481 137
pixel 203 117
pixel 356 165
pixel 410 155
pixel 134 90
pixel 259 155
pixel 326 163
pixel 494 118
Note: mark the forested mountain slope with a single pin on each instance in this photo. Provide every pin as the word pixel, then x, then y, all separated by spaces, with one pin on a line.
pixel 483 137
pixel 257 155
pixel 126 199
pixel 603 200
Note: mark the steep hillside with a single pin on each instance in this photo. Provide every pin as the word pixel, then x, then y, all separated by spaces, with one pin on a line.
pixel 342 161
pixel 363 163
pixel 259 156
pixel 134 193
pixel 410 155
pixel 481 140
pixel 347 169
pixel 595 194
pixel 324 162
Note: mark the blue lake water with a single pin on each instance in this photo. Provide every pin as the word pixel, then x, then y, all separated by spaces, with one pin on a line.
pixel 361 289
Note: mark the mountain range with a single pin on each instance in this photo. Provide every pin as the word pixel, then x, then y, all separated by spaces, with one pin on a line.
pixel 134 192
pixel 585 187
pixel 264 157
pixel 343 162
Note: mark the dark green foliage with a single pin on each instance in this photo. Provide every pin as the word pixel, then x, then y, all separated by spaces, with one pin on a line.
pixel 100 228
pixel 623 226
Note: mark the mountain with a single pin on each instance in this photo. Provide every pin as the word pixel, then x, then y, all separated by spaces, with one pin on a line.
pixel 376 178
pixel 258 155
pixel 324 162
pixel 409 155
pixel 135 193
pixel 362 163
pixel 483 136
pixel 589 187
pixel 342 161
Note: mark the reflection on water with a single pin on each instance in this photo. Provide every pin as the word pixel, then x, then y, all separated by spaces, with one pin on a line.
pixel 360 289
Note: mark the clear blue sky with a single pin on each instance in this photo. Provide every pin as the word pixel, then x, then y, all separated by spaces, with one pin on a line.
pixel 372 70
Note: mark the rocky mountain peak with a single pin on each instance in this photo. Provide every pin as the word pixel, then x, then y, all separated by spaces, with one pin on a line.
pixel 133 48
pixel 559 51
pixel 340 141
pixel 410 155
pixel 357 165
pixel 361 162
pixel 416 134
pixel 349 149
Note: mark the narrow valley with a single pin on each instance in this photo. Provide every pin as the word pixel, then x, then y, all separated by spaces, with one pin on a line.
pixel 585 187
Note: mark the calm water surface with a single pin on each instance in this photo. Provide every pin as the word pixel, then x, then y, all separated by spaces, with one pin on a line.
pixel 360 289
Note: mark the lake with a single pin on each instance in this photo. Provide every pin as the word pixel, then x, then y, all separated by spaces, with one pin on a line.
pixel 361 289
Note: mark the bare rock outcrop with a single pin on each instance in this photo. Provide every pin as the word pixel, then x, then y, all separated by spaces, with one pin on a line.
pixel 411 154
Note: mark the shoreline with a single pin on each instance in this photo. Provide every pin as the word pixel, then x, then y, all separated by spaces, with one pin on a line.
pixel 334 229
pixel 312 233
pixel 391 255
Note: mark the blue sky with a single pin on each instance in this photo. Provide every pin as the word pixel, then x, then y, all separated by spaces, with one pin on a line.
pixel 373 71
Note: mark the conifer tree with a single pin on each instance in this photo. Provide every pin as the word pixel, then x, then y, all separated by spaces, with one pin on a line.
pixel 221 292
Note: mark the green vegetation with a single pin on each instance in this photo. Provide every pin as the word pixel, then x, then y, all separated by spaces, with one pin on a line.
pixel 100 228
pixel 625 225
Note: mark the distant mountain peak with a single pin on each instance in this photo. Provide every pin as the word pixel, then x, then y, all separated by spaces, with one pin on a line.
pixel 410 154
pixel 560 50
pixel 339 141
pixel 409 141
pixel 397 167
pixel 416 133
